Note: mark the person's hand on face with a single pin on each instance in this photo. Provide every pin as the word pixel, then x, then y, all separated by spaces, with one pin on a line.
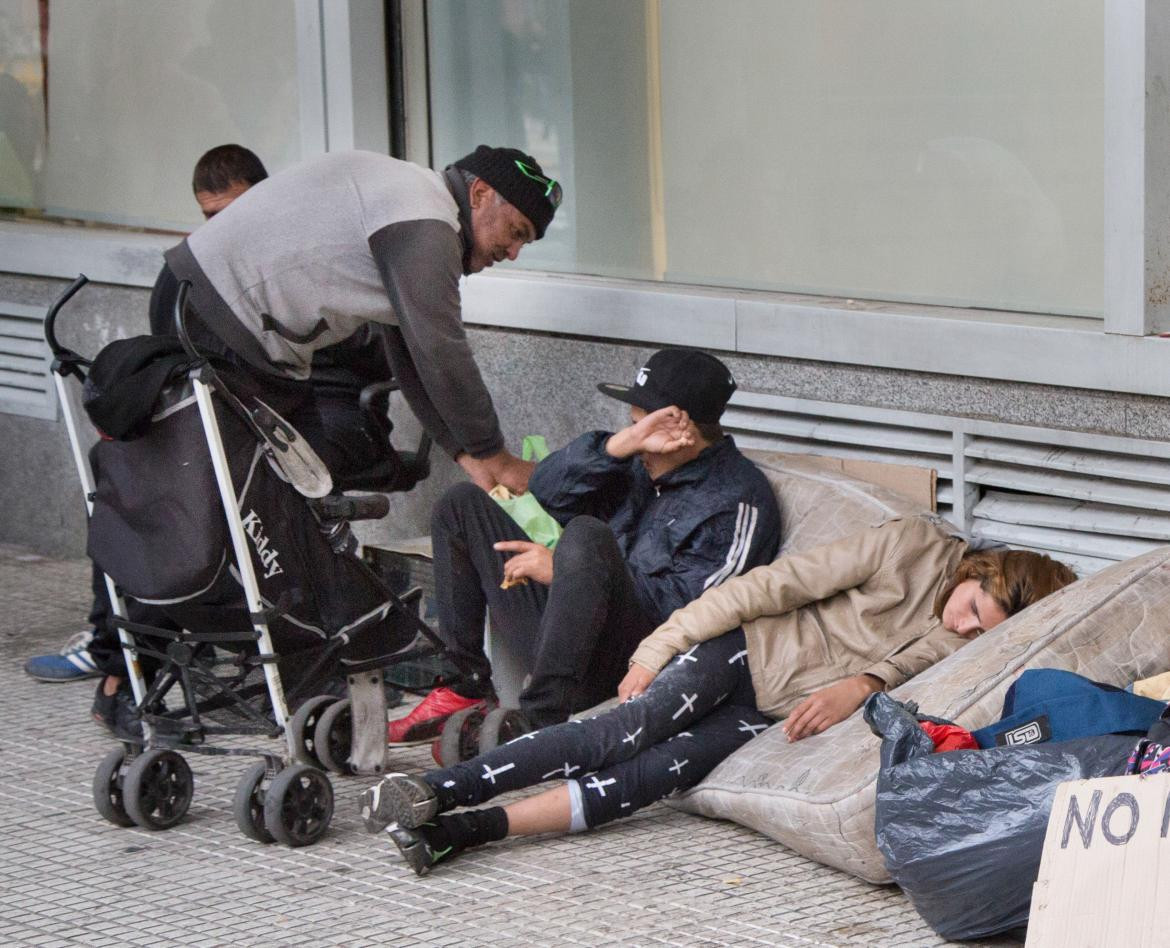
pixel 658 432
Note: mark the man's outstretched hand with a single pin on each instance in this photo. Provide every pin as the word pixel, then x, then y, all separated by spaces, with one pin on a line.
pixel 503 467
pixel 659 432
pixel 529 561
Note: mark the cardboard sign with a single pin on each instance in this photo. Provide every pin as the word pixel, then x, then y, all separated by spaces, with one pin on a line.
pixel 1105 873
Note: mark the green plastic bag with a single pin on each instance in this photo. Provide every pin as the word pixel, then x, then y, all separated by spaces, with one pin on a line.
pixel 525 509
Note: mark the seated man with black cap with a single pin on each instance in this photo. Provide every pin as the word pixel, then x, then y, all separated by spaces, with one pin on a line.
pixel 653 515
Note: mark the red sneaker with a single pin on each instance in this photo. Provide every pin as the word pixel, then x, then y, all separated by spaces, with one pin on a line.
pixel 426 721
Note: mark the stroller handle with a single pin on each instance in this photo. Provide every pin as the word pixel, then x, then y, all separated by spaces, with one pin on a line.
pixel 181 320
pixel 58 350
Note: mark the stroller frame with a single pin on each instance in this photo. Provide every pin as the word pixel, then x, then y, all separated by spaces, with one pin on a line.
pixel 285 797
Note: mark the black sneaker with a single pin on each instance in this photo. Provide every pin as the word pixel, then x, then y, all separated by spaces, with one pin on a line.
pixel 117 712
pixel 398 798
pixel 419 854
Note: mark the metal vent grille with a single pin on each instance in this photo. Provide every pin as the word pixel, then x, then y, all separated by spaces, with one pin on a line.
pixel 1087 499
pixel 25 385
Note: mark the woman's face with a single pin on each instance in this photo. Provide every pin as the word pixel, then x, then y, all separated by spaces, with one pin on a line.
pixel 970 611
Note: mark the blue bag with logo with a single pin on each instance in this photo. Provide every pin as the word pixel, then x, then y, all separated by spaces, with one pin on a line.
pixel 1048 704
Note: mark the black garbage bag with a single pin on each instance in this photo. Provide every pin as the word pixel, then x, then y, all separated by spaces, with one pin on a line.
pixel 962 832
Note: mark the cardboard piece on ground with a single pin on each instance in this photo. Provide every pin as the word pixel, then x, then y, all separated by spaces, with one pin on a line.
pixel 1105 873
pixel 919 484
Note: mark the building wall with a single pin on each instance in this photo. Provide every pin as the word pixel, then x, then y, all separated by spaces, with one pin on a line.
pixel 542 384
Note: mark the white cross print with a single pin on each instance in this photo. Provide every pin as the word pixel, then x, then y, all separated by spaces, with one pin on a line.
pixel 680 734
pixel 677 768
pixel 566 771
pixel 630 738
pixel 523 737
pixel 753 727
pixel 688 655
pixel 490 773
pixel 600 785
pixel 739 656
pixel 687 705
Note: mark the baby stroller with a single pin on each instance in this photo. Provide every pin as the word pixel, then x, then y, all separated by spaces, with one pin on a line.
pixel 209 510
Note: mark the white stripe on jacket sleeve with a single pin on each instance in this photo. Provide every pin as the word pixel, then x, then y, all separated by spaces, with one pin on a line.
pixel 741 542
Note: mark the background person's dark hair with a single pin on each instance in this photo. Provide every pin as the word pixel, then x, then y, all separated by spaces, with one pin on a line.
pixel 222 166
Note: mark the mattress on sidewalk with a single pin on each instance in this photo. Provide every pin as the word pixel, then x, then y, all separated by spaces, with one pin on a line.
pixel 817 796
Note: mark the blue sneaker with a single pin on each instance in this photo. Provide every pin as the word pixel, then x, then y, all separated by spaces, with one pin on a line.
pixel 72 663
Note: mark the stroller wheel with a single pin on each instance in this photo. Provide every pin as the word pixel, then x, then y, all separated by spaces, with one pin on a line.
pixel 298 805
pixel 501 725
pixel 303 725
pixel 107 788
pixel 459 739
pixel 332 737
pixel 248 803
pixel 157 789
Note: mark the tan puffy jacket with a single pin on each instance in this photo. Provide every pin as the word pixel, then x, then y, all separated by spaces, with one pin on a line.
pixel 859 605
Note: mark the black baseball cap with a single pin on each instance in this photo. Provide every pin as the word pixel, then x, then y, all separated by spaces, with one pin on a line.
pixel 689 379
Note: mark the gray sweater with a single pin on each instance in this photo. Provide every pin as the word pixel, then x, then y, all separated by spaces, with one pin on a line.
pixel 303 259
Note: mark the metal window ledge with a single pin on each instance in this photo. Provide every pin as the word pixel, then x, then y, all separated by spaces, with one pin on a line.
pixel 1074 352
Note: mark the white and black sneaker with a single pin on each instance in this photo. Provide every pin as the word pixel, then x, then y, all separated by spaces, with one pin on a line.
pixel 398 798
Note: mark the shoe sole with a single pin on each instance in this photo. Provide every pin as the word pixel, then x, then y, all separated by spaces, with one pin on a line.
pixel 80 676
pixel 414 850
pixel 389 802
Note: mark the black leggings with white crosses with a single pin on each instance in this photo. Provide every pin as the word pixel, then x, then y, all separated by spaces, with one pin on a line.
pixel 699 709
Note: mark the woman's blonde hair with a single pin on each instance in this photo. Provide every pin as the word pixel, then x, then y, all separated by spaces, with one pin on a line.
pixel 1013 578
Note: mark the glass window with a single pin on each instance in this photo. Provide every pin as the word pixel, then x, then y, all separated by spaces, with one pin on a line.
pixel 22 102
pixel 134 93
pixel 933 151
pixel 566 82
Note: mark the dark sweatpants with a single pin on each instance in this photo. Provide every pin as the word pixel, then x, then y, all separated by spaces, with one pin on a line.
pixel 699 709
pixel 106 649
pixel 578 632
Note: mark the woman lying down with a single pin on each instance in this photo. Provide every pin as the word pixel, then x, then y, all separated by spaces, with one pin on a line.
pixel 804 640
